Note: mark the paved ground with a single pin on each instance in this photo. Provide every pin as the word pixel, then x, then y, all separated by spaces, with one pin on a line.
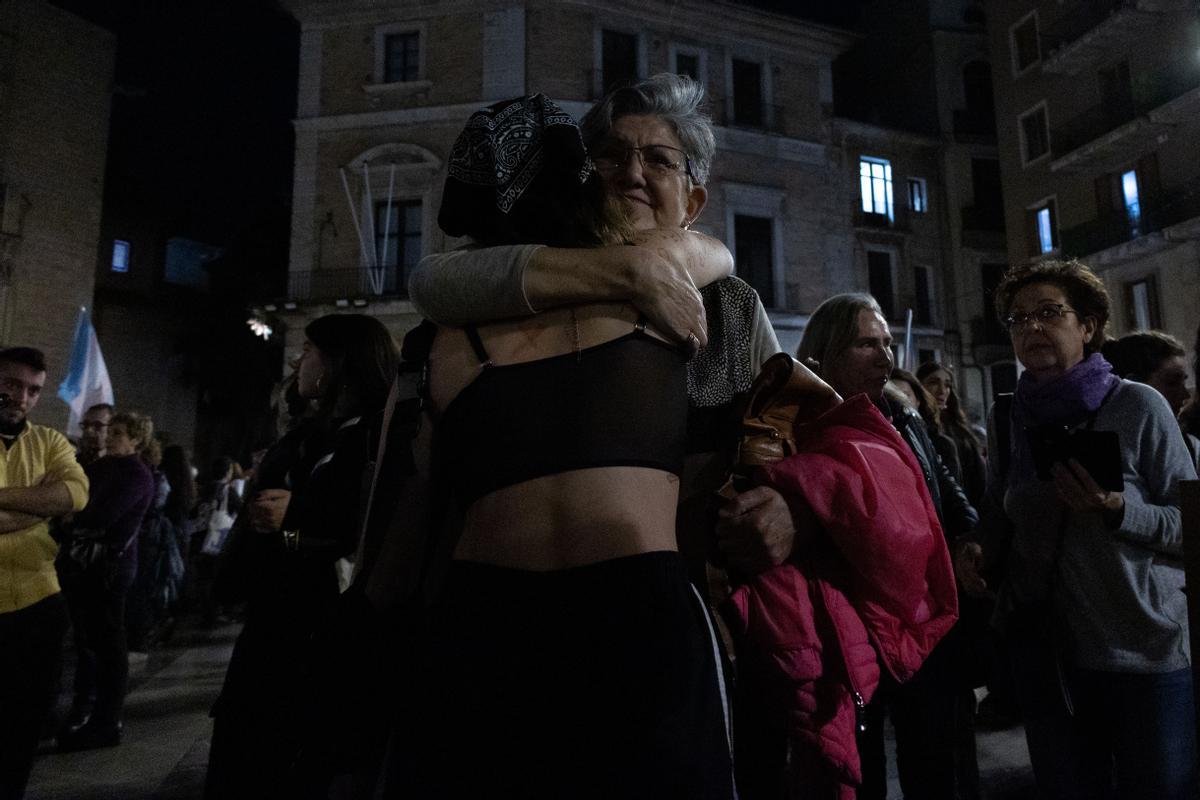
pixel 167 729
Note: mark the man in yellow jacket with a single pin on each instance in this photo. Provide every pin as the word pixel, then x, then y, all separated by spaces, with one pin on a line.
pixel 39 479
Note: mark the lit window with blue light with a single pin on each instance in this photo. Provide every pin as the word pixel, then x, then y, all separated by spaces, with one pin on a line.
pixel 1045 230
pixel 120 256
pixel 875 181
pixel 1129 190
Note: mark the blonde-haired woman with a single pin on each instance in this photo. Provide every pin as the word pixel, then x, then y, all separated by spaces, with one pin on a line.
pixel 122 488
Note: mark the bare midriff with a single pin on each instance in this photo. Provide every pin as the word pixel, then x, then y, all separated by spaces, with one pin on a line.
pixel 572 519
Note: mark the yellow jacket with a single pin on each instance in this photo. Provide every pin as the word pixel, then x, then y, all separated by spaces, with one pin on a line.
pixel 39 456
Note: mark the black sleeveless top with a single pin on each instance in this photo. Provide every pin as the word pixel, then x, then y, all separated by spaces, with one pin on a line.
pixel 619 403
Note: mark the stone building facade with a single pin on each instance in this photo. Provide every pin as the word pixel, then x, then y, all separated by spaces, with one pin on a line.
pixel 919 88
pixel 385 88
pixel 51 178
pixel 1098 111
pixel 777 194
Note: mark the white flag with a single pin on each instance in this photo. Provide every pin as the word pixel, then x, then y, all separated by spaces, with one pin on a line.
pixel 87 380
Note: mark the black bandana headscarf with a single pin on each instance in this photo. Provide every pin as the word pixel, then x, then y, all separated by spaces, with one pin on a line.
pixel 502 150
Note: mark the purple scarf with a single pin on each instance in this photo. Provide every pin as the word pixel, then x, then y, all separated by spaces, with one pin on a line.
pixel 1067 399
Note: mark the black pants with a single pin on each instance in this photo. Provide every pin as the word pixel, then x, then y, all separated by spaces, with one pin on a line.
pixel 30 663
pixel 934 717
pixel 96 600
pixel 599 681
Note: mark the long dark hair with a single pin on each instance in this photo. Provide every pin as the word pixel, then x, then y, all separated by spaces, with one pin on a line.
pixel 361 357
pixel 952 417
pixel 926 405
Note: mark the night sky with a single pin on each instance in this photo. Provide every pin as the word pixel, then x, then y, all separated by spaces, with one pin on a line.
pixel 201 119
pixel 201 127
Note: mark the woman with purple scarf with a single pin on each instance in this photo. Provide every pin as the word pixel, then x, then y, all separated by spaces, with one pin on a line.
pixel 1091 594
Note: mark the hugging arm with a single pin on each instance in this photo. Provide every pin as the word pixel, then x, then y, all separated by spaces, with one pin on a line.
pixel 658 274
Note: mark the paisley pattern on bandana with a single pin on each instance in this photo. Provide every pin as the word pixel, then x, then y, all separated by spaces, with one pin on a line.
pixel 501 147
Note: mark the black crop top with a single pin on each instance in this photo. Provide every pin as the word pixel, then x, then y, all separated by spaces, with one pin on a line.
pixel 620 403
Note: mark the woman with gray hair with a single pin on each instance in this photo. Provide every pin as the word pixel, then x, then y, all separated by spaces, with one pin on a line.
pixel 567 653
pixel 653 145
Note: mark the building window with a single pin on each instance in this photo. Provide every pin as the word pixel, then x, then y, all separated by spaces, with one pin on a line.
pixel 754 242
pixel 1141 304
pixel 923 288
pixel 1026 49
pixel 397 241
pixel 918 197
pixel 688 64
pixel 875 180
pixel 1035 134
pixel 120 256
pixel 618 59
pixel 1133 201
pixel 401 57
pixel 879 281
pixel 1042 228
pixel 747 93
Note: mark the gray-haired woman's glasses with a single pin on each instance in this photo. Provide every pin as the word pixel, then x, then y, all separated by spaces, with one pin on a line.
pixel 1047 314
pixel 657 159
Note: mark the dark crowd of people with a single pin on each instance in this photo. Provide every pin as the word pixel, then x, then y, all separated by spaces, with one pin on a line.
pixel 537 551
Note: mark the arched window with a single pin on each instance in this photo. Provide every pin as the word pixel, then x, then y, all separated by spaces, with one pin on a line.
pixel 388 189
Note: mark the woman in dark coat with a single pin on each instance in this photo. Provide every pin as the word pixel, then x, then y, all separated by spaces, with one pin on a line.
pixel 122 488
pixel 301 518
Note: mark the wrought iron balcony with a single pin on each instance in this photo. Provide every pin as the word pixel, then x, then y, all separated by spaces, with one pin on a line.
pixel 972 125
pixel 983 218
pixel 772 119
pixel 1084 37
pixel 986 331
pixel 1176 205
pixel 1149 103
pixel 983 227
pixel 346 284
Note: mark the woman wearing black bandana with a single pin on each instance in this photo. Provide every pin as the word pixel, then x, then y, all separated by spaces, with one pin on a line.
pixel 568 656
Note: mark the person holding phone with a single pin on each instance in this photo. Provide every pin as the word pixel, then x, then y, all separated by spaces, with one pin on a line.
pixel 1091 598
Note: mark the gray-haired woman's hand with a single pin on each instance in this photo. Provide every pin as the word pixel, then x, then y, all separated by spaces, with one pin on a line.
pixel 665 289
pixel 665 294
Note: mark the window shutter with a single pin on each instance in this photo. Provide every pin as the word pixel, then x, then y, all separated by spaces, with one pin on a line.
pixel 1147 176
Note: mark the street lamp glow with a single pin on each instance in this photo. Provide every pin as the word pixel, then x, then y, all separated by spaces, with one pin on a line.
pixel 259 328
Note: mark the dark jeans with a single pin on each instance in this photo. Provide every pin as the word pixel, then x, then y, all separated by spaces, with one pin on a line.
pixel 1132 735
pixel 934 717
pixel 30 663
pixel 96 600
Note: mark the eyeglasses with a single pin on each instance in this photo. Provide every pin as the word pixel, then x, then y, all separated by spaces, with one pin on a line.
pixel 1048 314
pixel 658 159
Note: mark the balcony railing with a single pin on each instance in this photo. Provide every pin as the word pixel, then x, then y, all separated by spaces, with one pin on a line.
pixel 1058 36
pixel 983 218
pixel 1176 205
pixel 986 331
pixel 772 119
pixel 880 222
pixel 972 125
pixel 346 284
pixel 1149 91
pixel 1075 23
